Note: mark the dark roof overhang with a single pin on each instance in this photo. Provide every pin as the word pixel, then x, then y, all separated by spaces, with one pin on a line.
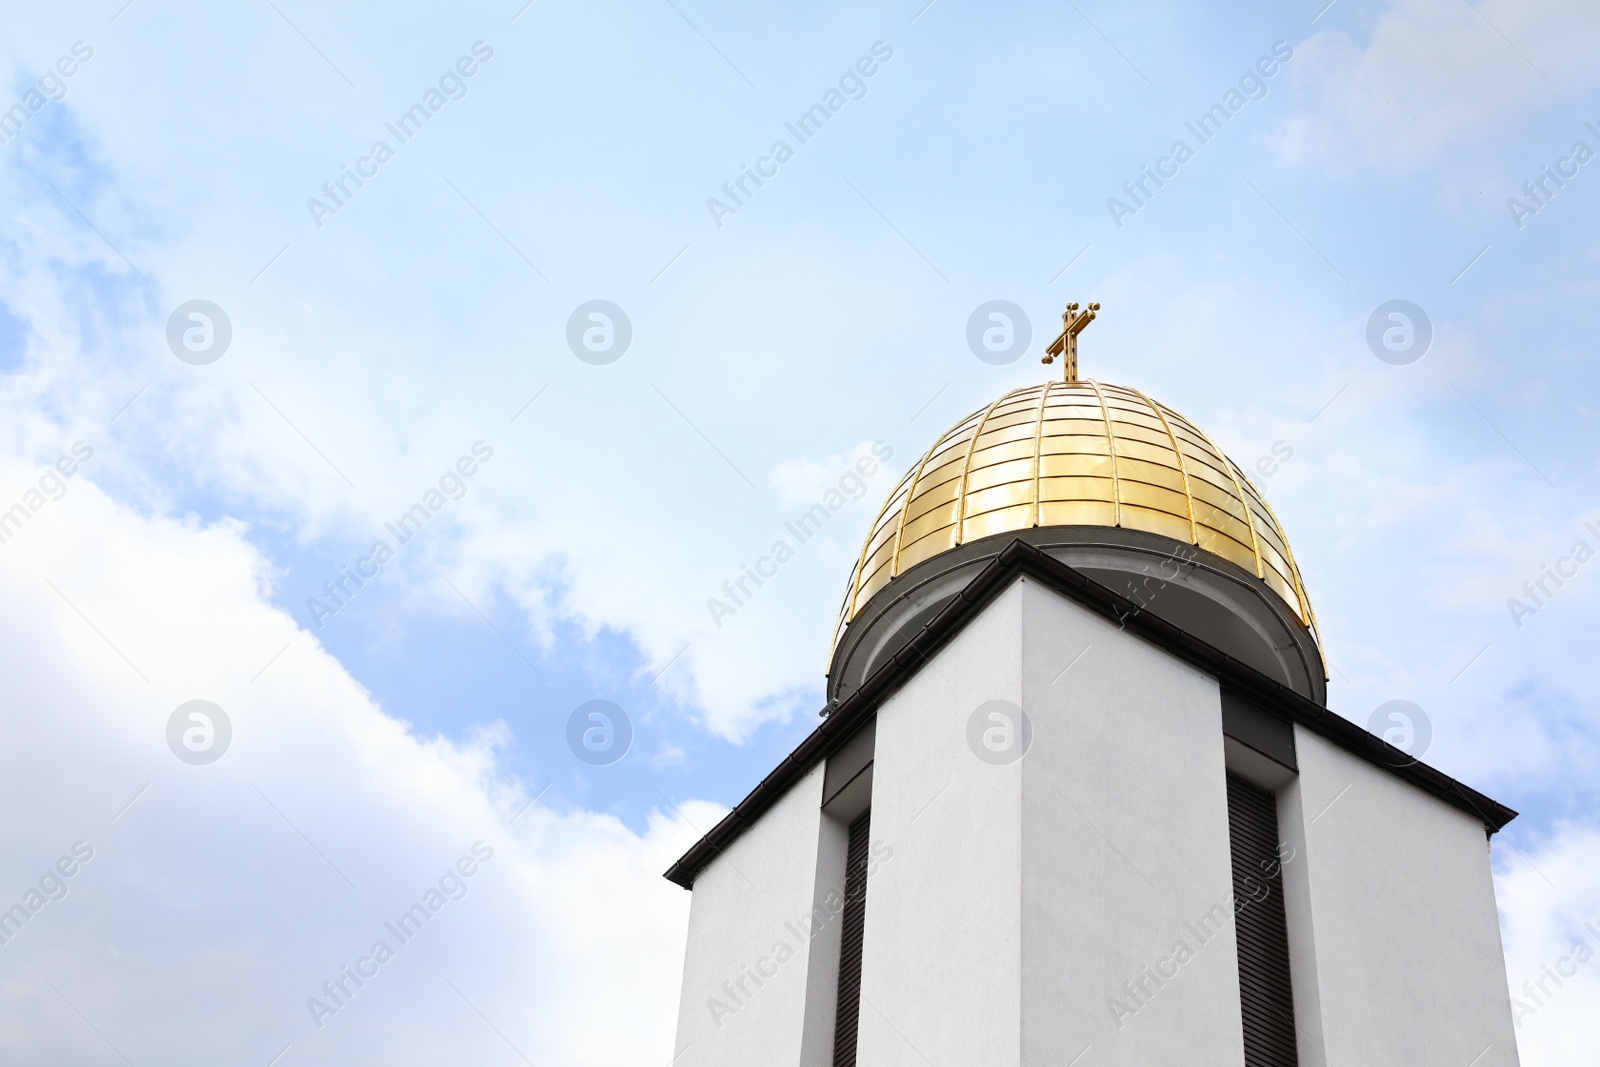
pixel 1018 559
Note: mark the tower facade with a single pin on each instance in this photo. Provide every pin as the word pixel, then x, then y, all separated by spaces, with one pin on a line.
pixel 1077 800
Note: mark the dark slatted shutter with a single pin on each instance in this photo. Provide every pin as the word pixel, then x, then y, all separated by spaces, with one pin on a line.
pixel 855 923
pixel 1263 935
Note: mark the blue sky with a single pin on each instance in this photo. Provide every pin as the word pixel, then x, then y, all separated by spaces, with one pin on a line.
pixel 827 313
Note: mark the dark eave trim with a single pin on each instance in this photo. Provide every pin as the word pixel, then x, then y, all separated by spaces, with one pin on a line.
pixel 1018 559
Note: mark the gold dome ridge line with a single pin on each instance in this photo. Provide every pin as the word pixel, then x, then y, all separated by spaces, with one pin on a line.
pixel 1294 568
pixel 855 587
pixel 1183 464
pixel 966 470
pixel 1038 455
pixel 911 491
pixel 1111 449
pixel 1249 514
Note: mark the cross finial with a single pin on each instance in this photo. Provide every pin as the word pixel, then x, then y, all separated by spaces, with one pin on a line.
pixel 1073 323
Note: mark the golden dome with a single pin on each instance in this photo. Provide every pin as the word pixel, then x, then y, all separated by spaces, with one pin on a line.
pixel 1076 453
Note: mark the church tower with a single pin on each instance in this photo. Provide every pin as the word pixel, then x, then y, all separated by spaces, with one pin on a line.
pixel 1077 800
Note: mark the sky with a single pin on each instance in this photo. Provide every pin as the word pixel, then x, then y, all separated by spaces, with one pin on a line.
pixel 421 334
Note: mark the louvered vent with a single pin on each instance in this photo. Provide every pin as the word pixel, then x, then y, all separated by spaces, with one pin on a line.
pixel 1264 991
pixel 855 922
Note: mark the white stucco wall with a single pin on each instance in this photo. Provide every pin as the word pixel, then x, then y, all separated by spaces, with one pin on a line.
pixel 1392 907
pixel 1124 842
pixel 1014 907
pixel 1293 821
pixel 941 968
pixel 822 952
pixel 742 902
pixel 1010 904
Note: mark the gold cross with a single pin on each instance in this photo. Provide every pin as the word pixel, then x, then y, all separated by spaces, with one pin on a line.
pixel 1073 323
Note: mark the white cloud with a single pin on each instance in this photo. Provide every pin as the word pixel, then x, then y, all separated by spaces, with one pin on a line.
pixel 1434 74
pixel 803 482
pixel 217 903
pixel 379 347
pixel 1550 901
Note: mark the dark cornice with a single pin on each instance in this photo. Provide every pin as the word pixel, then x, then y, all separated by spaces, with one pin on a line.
pixel 1020 558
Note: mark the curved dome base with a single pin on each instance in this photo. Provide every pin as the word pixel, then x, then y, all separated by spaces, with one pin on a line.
pixel 1215 600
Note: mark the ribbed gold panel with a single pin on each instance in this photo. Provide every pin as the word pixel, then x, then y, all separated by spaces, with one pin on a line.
pixel 1077 453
